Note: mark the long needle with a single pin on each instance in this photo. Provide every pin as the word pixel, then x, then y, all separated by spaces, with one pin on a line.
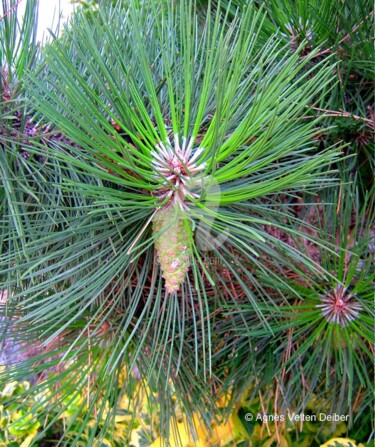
pixel 141 232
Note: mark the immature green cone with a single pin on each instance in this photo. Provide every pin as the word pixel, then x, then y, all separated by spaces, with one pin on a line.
pixel 172 247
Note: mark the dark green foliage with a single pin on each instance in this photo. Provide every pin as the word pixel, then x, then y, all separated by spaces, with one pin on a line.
pixel 344 30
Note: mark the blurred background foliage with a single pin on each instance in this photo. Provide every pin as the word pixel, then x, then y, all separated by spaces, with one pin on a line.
pixel 137 423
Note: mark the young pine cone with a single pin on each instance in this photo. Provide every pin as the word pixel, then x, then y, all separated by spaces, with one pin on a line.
pixel 172 247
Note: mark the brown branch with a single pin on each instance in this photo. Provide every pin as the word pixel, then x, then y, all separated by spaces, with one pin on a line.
pixel 346 37
pixel 10 10
pixel 341 114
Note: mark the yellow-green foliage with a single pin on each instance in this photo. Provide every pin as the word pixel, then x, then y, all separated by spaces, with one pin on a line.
pixel 21 418
pixel 341 442
pixel 18 426
pixel 136 423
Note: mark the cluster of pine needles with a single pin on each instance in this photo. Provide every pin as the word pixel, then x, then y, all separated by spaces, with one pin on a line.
pixel 186 193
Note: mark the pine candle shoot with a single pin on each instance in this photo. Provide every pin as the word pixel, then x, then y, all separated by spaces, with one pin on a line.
pixel 175 165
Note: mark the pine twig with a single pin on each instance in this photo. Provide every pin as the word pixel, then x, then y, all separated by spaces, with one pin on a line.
pixel 346 37
pixel 342 114
pixel 10 10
